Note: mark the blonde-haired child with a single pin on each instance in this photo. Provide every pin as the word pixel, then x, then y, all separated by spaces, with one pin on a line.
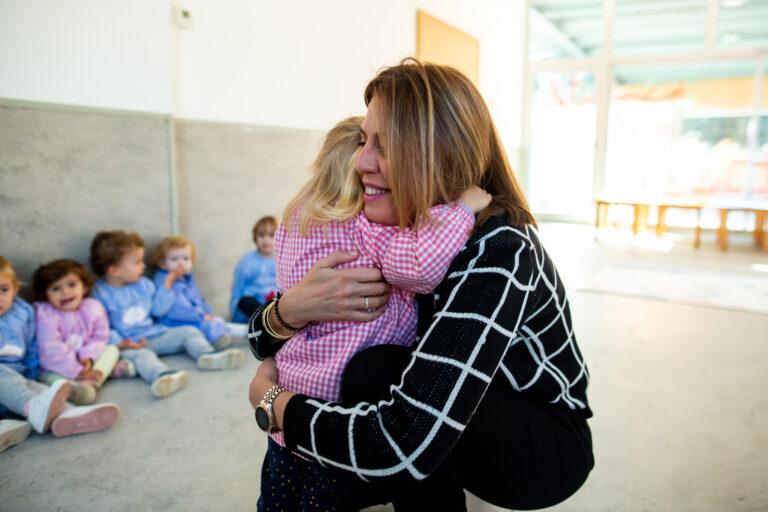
pixel 131 300
pixel 73 331
pixel 255 280
pixel 324 217
pixel 176 252
pixel 43 407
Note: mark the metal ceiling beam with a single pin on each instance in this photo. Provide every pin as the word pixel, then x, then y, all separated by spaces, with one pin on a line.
pixel 541 25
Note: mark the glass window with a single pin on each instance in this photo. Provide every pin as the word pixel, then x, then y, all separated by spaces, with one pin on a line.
pixel 681 129
pixel 562 153
pixel 659 27
pixel 742 23
pixel 565 29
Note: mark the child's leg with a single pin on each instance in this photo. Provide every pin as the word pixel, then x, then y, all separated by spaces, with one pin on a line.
pixel 192 340
pixel 237 330
pixel 282 474
pixel 13 432
pixel 14 393
pixel 106 363
pixel 178 339
pixel 146 362
pixel 248 305
pixel 327 489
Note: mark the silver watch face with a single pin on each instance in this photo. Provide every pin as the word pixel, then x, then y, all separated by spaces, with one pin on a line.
pixel 262 418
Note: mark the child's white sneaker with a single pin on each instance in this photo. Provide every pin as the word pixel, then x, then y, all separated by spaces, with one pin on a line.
pixel 43 408
pixel 226 360
pixel 80 420
pixel 13 432
pixel 169 382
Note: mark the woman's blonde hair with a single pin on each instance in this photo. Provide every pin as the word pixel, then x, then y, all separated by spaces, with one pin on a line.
pixel 157 256
pixel 334 193
pixel 439 139
pixel 7 269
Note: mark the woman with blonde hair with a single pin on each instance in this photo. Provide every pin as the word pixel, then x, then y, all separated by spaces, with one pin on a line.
pixel 325 216
pixel 492 397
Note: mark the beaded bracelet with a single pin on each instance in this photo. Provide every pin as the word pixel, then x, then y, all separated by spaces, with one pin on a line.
pixel 280 319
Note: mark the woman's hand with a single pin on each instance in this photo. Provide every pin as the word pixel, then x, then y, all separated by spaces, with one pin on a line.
pixel 265 378
pixel 326 293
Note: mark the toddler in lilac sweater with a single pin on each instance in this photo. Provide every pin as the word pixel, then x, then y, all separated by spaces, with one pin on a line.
pixel 73 331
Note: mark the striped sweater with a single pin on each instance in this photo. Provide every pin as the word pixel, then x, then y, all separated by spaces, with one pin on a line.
pixel 501 312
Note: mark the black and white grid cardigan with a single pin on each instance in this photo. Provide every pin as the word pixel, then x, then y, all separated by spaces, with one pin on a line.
pixel 501 311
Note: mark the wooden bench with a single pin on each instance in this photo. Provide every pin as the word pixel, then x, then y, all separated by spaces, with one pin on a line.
pixel 642 205
pixel 759 208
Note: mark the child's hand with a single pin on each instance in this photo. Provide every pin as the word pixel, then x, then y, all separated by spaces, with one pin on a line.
pixel 173 275
pixel 207 317
pixel 475 198
pixel 87 365
pixel 127 344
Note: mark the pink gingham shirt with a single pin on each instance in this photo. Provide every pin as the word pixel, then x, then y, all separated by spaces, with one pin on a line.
pixel 411 261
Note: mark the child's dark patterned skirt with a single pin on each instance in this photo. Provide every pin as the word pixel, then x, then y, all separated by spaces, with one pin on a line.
pixel 290 483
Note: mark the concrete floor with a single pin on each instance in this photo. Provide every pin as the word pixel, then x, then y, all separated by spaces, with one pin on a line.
pixel 679 394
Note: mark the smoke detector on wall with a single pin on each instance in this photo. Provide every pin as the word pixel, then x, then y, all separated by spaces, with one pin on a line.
pixel 182 17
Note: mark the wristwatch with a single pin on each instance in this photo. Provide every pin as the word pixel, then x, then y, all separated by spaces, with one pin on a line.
pixel 265 417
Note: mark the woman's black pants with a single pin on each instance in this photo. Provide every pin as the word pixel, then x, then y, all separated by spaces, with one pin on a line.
pixel 515 452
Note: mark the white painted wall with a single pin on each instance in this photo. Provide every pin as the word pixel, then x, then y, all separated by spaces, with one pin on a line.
pixel 298 63
pixel 305 63
pixel 99 53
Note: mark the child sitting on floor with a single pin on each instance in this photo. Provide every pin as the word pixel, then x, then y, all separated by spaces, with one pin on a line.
pixel 255 279
pixel 189 306
pixel 130 298
pixel 43 407
pixel 73 331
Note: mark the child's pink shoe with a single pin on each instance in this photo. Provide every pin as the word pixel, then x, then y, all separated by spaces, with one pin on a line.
pixel 124 369
pixel 80 420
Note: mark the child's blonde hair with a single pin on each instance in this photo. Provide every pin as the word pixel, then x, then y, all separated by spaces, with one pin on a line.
pixel 7 269
pixel 157 256
pixel 334 193
pixel 268 221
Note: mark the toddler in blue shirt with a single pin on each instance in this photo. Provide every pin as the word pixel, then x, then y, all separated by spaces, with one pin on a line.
pixel 131 300
pixel 255 279
pixel 189 306
pixel 43 407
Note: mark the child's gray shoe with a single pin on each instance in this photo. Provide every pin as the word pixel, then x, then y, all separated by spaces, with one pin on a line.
pixel 225 360
pixel 13 432
pixel 222 342
pixel 44 407
pixel 169 382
